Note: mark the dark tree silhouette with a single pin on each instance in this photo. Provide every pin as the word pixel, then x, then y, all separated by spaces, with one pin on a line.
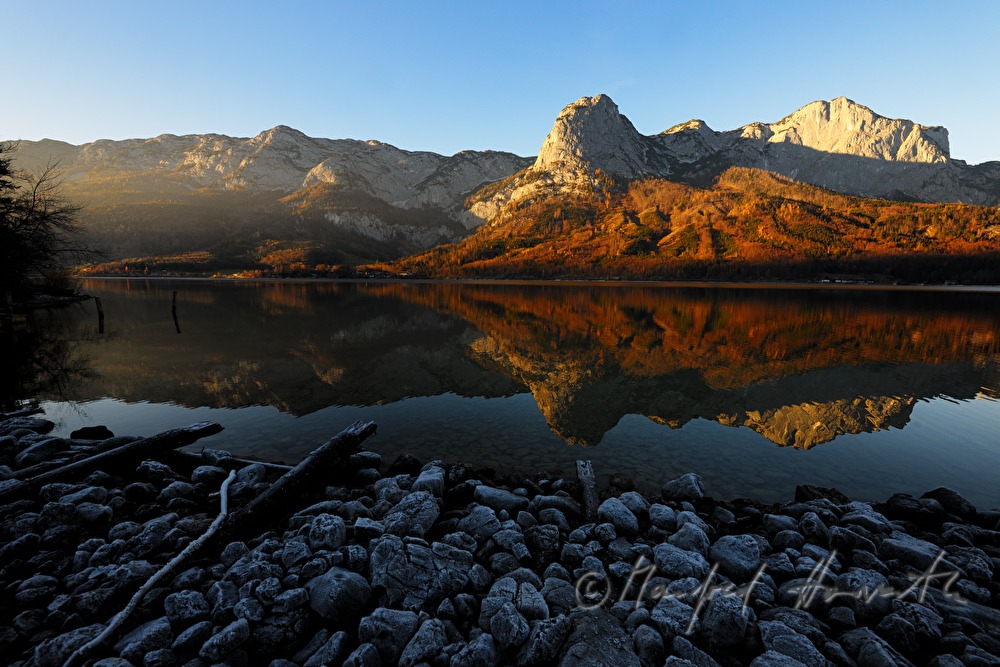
pixel 39 232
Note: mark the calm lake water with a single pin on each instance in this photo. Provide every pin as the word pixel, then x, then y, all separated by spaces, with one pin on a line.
pixel 756 389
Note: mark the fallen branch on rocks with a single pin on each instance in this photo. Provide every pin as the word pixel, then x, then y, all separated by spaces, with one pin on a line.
pixel 195 458
pixel 167 569
pixel 107 460
pixel 273 505
pixel 23 412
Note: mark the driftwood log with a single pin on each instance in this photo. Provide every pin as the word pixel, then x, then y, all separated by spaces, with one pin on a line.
pixel 288 492
pixel 152 446
pixel 588 489
pixel 194 459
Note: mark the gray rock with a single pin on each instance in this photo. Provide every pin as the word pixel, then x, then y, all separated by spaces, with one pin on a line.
pixel 527 600
pixel 295 552
pixel 551 516
pixel 36 590
pixel 913 551
pixel 690 538
pixel 775 659
pixel 685 487
pixel 738 557
pixel 255 565
pixel 724 621
pixel 390 630
pixel 953 502
pixel 185 608
pixel 227 640
pixel 615 512
pixel 161 657
pixel 145 638
pixel 775 523
pixel 414 576
pixel 249 608
pixel 636 504
pixel 90 494
pixel 330 652
pixel 663 517
pixel 193 637
pixel 431 480
pixel 222 596
pixel 413 515
pixel 813 529
pixel 55 651
pixel 569 507
pixel 846 540
pixel 544 641
pixel 339 594
pixel 365 655
pixel 677 563
pixel 40 451
pixel 480 652
pixel 674 617
pixel 559 594
pixel 327 531
pixel 291 599
pixel 500 499
pixel 426 644
pixel 597 639
pixel 481 523
pixel 649 646
pixel 683 649
pixel 778 637
pixel 867 518
pixel 870 650
pixel 508 627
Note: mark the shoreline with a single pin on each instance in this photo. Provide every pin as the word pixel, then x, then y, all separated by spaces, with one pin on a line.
pixel 702 284
pixel 443 563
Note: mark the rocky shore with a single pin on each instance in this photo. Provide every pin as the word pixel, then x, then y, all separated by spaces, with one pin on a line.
pixel 439 563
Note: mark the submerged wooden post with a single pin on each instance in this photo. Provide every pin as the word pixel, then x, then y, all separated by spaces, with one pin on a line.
pixel 100 315
pixel 294 487
pixel 588 490
pixel 173 311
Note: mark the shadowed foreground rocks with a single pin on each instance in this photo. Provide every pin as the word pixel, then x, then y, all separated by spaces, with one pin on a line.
pixel 444 564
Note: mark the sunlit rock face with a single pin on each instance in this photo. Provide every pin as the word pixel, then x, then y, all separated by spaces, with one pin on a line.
pixel 395 198
pixel 590 134
pixel 837 144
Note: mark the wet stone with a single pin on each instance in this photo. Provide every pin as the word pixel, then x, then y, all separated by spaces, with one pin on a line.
pixel 389 630
pixel 226 641
pixel 186 607
pixel 413 515
pixel 339 594
pixel 615 512
pixel 500 499
pixel 685 487
pixel 327 532
pixel 147 637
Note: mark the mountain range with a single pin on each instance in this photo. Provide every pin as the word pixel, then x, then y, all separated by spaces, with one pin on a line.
pixel 283 200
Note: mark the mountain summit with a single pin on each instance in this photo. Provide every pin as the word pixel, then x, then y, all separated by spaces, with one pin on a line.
pixel 838 144
pixel 590 134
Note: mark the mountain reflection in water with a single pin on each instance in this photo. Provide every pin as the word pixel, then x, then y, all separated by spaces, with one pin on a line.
pixel 798 366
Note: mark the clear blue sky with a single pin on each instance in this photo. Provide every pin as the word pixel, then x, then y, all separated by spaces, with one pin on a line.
pixel 447 76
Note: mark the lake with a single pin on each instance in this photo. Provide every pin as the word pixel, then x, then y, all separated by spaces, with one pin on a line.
pixel 755 388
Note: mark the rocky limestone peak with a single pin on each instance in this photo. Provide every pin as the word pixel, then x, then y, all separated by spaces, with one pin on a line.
pixel 844 126
pixel 591 134
pixel 693 125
